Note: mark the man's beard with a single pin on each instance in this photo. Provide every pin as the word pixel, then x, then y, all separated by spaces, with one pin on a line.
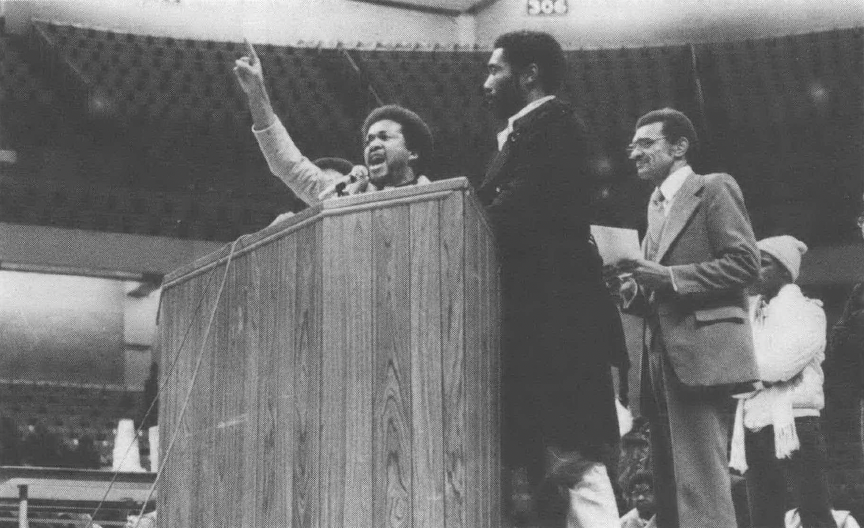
pixel 380 180
pixel 506 101
pixel 394 175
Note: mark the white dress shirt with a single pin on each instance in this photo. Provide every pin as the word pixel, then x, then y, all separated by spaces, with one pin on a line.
pixel 504 134
pixel 671 185
pixel 669 188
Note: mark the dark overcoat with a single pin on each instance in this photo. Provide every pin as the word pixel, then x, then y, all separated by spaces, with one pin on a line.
pixel 560 327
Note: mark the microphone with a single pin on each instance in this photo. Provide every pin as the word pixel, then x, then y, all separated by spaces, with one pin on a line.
pixel 336 188
pixel 357 179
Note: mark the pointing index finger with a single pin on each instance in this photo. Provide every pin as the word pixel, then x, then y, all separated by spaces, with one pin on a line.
pixel 250 51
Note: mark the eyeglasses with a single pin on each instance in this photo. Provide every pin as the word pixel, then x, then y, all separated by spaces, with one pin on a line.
pixel 642 144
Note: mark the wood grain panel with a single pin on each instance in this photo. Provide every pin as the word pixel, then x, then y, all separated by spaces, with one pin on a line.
pixel 473 330
pixel 357 312
pixel 335 343
pixel 350 377
pixel 483 377
pixel 230 376
pixel 426 385
pixel 276 397
pixel 452 244
pixel 180 456
pixel 171 311
pixel 175 454
pixel 493 461
pixel 306 496
pixel 265 404
pixel 255 337
pixel 201 293
pixel 392 485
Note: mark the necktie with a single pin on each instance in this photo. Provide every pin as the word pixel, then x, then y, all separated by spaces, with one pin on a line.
pixel 656 219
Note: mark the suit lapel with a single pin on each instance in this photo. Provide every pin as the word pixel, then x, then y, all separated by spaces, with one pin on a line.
pixel 522 127
pixel 683 206
pixel 497 164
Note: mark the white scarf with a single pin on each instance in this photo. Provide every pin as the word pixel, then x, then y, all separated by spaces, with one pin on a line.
pixel 771 406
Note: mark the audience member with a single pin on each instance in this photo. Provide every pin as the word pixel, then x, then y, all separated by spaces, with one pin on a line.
pixel 634 457
pixel 699 256
pixel 560 329
pixel 77 520
pixel 397 145
pixel 148 520
pixel 640 495
pixel 777 437
pixel 842 519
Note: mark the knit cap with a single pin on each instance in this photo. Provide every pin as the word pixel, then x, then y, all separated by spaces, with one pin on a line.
pixel 787 250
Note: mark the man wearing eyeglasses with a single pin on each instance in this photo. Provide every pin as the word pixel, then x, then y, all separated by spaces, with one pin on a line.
pixel 699 256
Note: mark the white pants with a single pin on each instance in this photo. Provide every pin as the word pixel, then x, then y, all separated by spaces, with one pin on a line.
pixel 592 501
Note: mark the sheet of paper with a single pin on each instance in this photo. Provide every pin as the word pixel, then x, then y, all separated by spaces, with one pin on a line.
pixel 615 243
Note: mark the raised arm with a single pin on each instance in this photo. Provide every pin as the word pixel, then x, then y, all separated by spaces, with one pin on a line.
pixel 250 75
pixel 283 157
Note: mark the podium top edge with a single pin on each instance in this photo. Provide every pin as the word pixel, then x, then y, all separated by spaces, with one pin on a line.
pixel 331 207
pixel 386 195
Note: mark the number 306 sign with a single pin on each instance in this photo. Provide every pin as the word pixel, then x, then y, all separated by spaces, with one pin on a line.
pixel 547 7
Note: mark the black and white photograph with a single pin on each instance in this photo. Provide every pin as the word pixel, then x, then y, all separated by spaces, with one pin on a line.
pixel 431 264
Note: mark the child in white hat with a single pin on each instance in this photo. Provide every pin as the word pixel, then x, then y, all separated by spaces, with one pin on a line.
pixel 777 437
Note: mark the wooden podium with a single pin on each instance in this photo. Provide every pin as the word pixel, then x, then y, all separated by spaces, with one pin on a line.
pixel 349 377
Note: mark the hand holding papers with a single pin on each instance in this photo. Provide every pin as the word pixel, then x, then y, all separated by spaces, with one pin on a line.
pixel 616 244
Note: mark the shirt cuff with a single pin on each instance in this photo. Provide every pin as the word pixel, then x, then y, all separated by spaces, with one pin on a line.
pixel 674 284
pixel 266 129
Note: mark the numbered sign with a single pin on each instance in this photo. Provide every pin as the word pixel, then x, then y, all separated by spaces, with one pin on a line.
pixel 547 7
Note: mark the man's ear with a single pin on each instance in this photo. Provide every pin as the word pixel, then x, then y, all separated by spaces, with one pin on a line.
pixel 413 156
pixel 680 147
pixel 529 76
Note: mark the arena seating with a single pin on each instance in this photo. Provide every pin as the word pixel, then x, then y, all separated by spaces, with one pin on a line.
pixel 159 79
pixel 202 217
pixel 786 117
pixel 18 82
pixel 773 112
pixel 66 414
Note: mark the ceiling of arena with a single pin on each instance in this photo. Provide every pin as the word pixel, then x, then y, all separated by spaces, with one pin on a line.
pixel 452 7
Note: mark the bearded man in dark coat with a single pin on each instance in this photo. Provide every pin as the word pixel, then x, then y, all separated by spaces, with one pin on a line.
pixel 560 329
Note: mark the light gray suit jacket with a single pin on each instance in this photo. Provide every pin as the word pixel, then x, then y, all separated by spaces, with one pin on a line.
pixel 708 243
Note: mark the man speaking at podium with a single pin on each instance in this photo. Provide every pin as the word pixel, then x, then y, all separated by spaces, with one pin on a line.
pixel 560 328
pixel 397 145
